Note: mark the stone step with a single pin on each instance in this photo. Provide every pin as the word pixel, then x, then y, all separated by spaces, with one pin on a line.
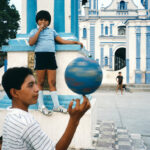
pixel 138 87
pixel 108 137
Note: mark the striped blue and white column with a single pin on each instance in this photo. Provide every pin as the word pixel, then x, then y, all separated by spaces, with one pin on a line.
pixel 147 74
pixel 64 15
pixel 138 73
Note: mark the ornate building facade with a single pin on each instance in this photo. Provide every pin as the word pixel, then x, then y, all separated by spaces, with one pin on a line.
pixel 117 36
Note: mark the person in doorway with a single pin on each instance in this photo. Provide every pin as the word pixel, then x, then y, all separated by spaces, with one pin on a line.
pixel 44 39
pixel 20 130
pixel 119 80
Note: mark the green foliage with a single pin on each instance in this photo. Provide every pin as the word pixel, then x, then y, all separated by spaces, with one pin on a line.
pixel 9 18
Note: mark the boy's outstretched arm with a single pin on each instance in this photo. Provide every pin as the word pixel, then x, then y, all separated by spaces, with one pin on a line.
pixel 75 116
pixel 62 41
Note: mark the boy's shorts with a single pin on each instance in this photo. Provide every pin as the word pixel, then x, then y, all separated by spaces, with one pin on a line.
pixel 45 60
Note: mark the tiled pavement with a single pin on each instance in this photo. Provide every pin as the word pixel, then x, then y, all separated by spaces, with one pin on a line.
pixel 107 136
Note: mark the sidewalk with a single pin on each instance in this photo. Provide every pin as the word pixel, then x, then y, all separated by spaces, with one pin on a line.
pixel 130 111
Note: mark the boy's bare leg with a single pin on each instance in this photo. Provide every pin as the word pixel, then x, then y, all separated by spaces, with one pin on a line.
pixel 40 78
pixel 121 86
pixel 117 88
pixel 51 75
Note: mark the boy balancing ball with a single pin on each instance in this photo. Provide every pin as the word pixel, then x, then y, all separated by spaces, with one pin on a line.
pixel 83 75
pixel 20 130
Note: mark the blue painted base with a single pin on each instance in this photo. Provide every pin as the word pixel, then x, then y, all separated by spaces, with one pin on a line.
pixel 138 77
pixel 64 100
pixel 21 44
pixel 147 77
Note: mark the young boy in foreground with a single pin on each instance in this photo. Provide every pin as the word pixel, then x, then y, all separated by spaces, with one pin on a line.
pixel 21 131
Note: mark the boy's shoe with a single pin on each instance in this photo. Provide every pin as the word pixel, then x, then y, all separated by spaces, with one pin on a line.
pixel 45 111
pixel 60 109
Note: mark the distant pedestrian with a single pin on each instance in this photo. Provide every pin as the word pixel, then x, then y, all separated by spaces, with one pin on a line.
pixel 119 80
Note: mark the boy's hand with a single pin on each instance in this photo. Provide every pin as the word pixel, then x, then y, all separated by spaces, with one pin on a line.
pixel 79 110
pixel 80 44
pixel 41 27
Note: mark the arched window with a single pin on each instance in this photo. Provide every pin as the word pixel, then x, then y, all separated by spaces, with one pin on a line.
pixel 106 61
pixel 106 30
pixel 122 5
pixel 84 33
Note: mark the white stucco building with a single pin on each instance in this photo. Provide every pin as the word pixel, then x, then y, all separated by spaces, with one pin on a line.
pixel 116 33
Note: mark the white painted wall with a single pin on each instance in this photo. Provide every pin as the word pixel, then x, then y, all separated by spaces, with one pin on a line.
pixel 63 59
pixel 24 18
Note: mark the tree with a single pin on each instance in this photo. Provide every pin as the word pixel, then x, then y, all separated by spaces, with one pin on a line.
pixel 9 18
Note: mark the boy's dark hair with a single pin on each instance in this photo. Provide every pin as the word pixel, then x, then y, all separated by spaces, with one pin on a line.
pixel 14 78
pixel 119 72
pixel 43 14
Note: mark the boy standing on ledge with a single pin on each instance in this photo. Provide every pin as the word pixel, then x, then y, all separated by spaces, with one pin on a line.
pixel 20 130
pixel 44 39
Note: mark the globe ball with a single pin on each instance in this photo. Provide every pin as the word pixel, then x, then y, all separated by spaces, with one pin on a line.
pixel 83 75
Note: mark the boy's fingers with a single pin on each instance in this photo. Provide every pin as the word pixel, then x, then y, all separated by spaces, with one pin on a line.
pixel 77 103
pixel 70 106
pixel 85 101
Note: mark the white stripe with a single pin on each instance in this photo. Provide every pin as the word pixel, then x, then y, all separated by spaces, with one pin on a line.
pixel 67 16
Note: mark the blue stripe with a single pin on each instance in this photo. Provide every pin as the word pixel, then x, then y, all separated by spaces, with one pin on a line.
pixel 110 58
pixel 89 4
pixel 59 15
pixel 148 49
pixel 127 71
pixel 5 65
pixel 102 56
pixel 102 29
pixel 92 41
pixel 147 77
pixel 64 100
pixel 74 18
pixel 138 48
pixel 111 26
pixel 31 14
pixel 138 77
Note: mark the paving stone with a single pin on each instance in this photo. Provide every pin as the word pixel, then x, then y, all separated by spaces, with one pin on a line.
pixel 106 142
pixel 122 136
pixel 125 147
pixel 112 138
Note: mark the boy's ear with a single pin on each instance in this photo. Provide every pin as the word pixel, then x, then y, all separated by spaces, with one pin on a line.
pixel 14 92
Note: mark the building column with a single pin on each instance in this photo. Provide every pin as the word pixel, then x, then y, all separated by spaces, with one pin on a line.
pixel 102 29
pixel 127 71
pixel 111 29
pixel 102 56
pixel 147 74
pixel 110 58
pixel 92 40
pixel 138 73
pixel 31 14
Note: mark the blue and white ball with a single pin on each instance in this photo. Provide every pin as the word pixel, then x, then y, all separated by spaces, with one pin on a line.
pixel 83 75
